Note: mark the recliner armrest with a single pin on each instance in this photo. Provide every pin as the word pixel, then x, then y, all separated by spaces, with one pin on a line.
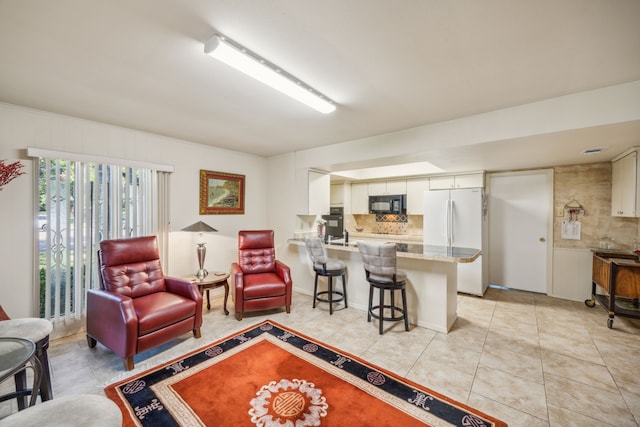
pixel 183 288
pixel 186 289
pixel 284 272
pixel 113 321
pixel 238 284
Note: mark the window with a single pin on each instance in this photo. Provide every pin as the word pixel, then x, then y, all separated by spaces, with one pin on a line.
pixel 81 203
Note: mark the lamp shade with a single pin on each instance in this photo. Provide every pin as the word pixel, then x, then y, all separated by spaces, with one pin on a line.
pixel 199 227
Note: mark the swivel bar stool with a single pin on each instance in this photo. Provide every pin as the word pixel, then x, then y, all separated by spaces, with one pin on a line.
pixel 329 268
pixel 380 270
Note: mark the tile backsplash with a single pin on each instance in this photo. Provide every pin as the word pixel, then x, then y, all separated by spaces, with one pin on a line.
pixel 590 185
pixel 385 224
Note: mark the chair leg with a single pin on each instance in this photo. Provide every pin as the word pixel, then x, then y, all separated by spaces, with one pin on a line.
pixel 196 333
pixel 344 289
pixel 330 289
pixel 46 392
pixel 21 384
pixel 370 303
pixel 393 302
pixel 91 342
pixel 315 291
pixel 128 363
pixel 406 312
pixel 238 316
pixel 381 308
pixel 288 308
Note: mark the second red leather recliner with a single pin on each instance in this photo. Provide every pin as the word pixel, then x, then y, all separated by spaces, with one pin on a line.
pixel 260 281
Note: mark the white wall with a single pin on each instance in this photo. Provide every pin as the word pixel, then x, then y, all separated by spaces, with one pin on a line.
pixel 21 128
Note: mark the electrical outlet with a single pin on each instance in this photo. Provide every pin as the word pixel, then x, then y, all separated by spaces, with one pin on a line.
pixel 560 212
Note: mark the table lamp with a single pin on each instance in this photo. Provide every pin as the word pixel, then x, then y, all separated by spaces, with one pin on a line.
pixel 200 228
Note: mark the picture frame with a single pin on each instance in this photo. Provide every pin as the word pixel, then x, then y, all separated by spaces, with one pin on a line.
pixel 221 193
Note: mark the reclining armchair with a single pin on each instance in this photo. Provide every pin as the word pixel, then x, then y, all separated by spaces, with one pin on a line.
pixel 260 281
pixel 137 307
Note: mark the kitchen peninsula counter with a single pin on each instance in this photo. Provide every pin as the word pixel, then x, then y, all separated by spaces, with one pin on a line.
pixel 410 250
pixel 431 277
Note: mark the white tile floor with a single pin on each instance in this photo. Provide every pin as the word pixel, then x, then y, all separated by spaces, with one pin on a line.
pixel 527 359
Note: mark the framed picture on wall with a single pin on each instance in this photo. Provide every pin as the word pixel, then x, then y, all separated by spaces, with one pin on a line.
pixel 221 193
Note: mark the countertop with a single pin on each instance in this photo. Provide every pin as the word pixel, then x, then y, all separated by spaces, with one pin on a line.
pixel 413 250
pixel 613 253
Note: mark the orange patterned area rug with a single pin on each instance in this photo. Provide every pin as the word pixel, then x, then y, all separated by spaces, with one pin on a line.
pixel 269 375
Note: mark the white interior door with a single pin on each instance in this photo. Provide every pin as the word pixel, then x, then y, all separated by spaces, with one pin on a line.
pixel 520 229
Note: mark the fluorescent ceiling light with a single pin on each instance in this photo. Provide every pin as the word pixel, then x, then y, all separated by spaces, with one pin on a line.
pixel 242 59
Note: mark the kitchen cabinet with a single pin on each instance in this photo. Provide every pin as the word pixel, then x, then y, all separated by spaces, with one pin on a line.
pixel 337 195
pixel 415 195
pixel 624 185
pixel 313 192
pixel 359 198
pixel 448 182
pixel 381 188
pixel 341 196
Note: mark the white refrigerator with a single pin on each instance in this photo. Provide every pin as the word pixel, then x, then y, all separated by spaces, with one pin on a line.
pixel 458 218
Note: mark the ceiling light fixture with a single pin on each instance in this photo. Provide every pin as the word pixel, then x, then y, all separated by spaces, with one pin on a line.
pixel 242 59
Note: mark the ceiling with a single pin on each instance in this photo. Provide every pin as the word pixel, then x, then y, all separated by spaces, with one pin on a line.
pixel 388 64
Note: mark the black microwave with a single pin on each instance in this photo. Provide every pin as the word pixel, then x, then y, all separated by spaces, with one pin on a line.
pixel 396 204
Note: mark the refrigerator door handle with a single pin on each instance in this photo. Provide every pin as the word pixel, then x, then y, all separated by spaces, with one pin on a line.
pixel 448 222
pixel 451 207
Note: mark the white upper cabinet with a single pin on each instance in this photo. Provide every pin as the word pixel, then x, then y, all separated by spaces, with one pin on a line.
pixel 448 182
pixel 624 185
pixel 415 195
pixel 341 196
pixel 337 195
pixel 313 192
pixel 381 188
pixel 397 186
pixel 359 199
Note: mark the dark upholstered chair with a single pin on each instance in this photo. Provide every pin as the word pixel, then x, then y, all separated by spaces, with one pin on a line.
pixel 329 268
pixel 260 281
pixel 137 307
pixel 379 260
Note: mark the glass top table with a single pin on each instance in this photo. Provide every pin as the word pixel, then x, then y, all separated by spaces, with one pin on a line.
pixel 16 354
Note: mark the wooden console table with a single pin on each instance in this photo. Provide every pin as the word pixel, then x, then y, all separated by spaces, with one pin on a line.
pixel 619 277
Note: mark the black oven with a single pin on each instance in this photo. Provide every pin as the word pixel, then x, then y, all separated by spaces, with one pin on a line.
pixel 335 224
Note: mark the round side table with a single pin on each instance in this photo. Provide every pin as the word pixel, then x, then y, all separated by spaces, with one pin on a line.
pixel 15 354
pixel 214 279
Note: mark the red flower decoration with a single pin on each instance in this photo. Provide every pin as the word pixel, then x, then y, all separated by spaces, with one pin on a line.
pixel 9 172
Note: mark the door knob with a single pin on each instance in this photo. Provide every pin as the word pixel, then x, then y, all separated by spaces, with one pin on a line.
pixel 542 239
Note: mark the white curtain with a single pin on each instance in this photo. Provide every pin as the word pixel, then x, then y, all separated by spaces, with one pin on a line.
pixel 81 203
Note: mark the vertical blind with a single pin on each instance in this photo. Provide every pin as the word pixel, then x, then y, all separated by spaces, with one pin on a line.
pixel 81 203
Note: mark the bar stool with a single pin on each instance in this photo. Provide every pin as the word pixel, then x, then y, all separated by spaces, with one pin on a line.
pixel 329 268
pixel 379 260
pixel 36 330
pixel 84 410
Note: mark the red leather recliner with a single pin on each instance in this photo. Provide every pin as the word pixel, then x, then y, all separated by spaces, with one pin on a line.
pixel 261 282
pixel 137 307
